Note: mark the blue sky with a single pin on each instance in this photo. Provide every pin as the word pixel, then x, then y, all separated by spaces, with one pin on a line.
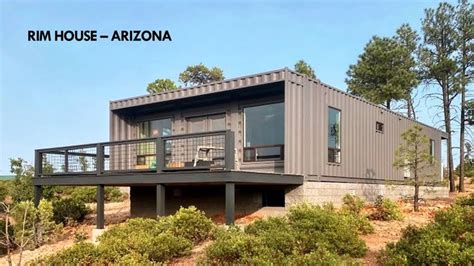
pixel 57 93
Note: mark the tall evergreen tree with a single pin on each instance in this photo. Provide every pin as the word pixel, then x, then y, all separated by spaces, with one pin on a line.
pixel 437 59
pixel 383 73
pixel 408 38
pixel 465 74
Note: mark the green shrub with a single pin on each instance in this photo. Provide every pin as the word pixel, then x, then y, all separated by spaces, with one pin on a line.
pixel 352 204
pixel 275 233
pixel 236 247
pixel 189 223
pixel 321 256
pixel 466 201
pixel 69 210
pixel 385 210
pixel 148 237
pixel 308 233
pixel 360 222
pixel 88 194
pixel 80 254
pixel 156 248
pixel 134 259
pixel 113 194
pixel 35 224
pixel 316 227
pixel 449 240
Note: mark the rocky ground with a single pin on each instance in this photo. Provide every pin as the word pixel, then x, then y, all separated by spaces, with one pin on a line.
pixel 385 232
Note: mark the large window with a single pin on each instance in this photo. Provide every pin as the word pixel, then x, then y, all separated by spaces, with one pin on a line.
pixel 146 152
pixel 264 127
pixel 334 135
pixel 154 128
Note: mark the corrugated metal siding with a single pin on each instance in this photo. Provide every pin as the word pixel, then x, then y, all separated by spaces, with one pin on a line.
pixel 230 84
pixel 295 124
pixel 365 153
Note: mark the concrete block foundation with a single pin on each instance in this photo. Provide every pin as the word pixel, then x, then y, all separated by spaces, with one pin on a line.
pixel 320 192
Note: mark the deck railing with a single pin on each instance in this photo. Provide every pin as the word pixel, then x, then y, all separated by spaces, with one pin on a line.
pixel 198 151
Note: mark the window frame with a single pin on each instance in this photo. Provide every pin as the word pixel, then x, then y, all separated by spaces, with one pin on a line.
pixel 432 150
pixel 340 136
pixel 206 121
pixel 381 131
pixel 253 149
pixel 140 121
pixel 142 158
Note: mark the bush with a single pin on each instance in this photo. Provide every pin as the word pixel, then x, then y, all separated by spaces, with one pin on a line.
pixel 235 247
pixel 321 256
pixel 386 210
pixel 275 233
pixel 466 201
pixel 35 224
pixel 307 232
pixel 361 223
pixel 69 210
pixel 316 227
pixel 141 241
pixel 352 204
pixel 156 248
pixel 449 240
pixel 351 208
pixel 80 254
pixel 189 223
pixel 157 240
pixel 88 194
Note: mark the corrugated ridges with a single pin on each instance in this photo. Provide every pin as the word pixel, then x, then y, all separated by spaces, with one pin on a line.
pixel 229 84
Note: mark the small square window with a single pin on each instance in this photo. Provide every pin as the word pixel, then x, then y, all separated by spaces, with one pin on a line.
pixel 379 127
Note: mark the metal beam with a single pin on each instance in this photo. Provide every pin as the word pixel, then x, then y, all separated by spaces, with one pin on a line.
pixel 184 177
pixel 160 200
pixel 37 191
pixel 100 207
pixel 229 203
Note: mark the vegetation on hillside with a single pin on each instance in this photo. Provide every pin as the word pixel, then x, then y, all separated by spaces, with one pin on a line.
pixel 448 240
pixel 141 241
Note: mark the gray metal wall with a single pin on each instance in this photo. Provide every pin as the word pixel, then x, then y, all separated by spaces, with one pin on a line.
pixel 365 153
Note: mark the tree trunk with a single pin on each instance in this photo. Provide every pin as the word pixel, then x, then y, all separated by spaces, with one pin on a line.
pixel 447 125
pixel 461 140
pixel 388 104
pixel 410 108
pixel 416 198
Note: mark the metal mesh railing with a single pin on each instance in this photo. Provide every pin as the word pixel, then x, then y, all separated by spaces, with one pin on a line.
pixel 139 155
pixel 73 160
pixel 191 151
pixel 195 151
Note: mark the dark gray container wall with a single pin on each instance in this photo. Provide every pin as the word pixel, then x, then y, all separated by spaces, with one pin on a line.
pixel 365 153
pixel 123 126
